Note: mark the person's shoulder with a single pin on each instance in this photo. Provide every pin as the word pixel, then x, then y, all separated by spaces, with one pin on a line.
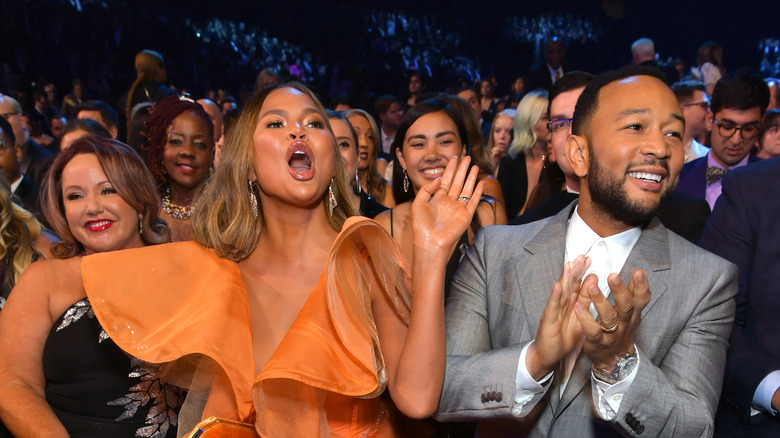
pixel 694 259
pixel 767 171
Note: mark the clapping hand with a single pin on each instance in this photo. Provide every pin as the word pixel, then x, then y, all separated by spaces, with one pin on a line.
pixel 443 209
pixel 559 329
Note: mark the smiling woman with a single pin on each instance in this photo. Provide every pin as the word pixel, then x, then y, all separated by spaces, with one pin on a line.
pixel 62 375
pixel 180 139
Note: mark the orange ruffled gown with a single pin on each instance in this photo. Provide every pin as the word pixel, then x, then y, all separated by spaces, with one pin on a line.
pixel 183 307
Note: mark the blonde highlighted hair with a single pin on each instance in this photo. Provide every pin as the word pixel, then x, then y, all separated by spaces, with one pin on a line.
pixel 18 231
pixel 529 111
pixel 375 183
pixel 223 216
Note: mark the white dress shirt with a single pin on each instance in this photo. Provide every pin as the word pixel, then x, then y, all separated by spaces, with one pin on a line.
pixel 608 255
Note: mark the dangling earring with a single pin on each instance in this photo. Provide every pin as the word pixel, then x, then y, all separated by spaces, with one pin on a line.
pixel 357 181
pixel 141 224
pixel 252 197
pixel 406 182
pixel 331 198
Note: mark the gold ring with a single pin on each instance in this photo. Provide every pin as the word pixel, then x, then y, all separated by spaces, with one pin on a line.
pixel 611 329
pixel 463 198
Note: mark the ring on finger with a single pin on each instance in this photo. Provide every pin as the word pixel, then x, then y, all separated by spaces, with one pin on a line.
pixel 611 329
pixel 463 198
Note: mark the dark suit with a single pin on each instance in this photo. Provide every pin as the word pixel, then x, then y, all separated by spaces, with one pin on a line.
pixel 35 161
pixel 499 292
pixel 539 76
pixel 693 177
pixel 743 229
pixel 27 196
pixel 513 178
pixel 682 214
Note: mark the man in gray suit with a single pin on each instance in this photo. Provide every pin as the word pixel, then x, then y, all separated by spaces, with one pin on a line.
pixel 641 352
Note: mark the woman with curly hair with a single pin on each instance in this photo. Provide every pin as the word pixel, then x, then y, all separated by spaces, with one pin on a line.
pixel 180 143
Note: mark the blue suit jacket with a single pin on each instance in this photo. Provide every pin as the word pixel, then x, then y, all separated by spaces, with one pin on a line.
pixel 693 177
pixel 743 230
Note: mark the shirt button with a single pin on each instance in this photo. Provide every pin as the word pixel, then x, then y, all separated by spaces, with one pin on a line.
pixel 526 392
pixel 601 242
pixel 617 397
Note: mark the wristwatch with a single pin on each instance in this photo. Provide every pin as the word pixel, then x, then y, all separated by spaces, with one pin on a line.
pixel 623 368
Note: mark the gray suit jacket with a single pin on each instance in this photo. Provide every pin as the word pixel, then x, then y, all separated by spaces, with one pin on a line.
pixel 497 297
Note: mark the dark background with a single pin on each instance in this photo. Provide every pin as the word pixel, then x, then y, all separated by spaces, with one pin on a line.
pixel 54 40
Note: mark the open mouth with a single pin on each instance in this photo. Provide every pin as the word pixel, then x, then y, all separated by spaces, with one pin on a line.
pixel 433 173
pixel 646 176
pixel 186 168
pixel 100 225
pixel 299 160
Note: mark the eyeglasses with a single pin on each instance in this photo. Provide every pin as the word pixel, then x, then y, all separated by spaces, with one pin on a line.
pixel 559 125
pixel 703 104
pixel 727 129
pixel 7 115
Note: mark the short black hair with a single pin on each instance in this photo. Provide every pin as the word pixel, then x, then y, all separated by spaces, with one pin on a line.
pixel 5 125
pixel 107 113
pixel 683 90
pixel 587 104
pixel 740 90
pixel 570 81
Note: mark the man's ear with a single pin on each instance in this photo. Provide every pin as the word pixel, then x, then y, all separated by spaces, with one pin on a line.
pixel 710 120
pixel 578 154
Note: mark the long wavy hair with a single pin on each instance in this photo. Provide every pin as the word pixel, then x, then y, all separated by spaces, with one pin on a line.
pixel 156 131
pixel 374 181
pixel 529 111
pixel 18 231
pixel 223 217
pixel 126 172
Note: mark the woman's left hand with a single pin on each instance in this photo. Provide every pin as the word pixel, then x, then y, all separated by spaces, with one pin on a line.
pixel 443 209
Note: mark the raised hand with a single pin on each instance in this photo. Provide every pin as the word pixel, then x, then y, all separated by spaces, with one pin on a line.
pixel 615 335
pixel 442 210
pixel 559 329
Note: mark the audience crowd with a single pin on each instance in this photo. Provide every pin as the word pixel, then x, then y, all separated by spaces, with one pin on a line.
pixel 533 269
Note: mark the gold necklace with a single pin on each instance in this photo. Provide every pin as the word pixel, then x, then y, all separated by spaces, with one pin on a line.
pixel 175 210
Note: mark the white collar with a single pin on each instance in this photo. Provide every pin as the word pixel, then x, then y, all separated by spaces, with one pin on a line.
pixel 580 238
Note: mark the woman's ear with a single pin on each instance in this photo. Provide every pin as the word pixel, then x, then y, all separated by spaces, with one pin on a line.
pixel 400 157
pixel 578 153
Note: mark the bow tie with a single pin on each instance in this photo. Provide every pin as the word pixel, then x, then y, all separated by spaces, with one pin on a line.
pixel 715 173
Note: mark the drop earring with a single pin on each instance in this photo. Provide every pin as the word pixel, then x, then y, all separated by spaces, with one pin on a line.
pixel 253 197
pixel 406 182
pixel 357 181
pixel 141 224
pixel 331 198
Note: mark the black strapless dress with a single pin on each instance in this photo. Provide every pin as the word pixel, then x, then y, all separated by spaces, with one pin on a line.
pixel 97 390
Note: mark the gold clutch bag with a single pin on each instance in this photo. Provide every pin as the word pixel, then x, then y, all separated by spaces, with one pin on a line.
pixel 214 427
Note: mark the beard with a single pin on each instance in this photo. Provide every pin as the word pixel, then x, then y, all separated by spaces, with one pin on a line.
pixel 608 193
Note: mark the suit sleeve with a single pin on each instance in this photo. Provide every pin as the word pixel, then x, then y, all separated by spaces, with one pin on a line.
pixel 479 382
pixel 679 395
pixel 731 233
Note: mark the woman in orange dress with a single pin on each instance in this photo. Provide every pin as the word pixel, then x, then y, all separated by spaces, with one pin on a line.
pixel 287 313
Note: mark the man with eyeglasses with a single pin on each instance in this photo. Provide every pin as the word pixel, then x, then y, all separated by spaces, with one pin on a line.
pixel 22 188
pixel 695 105
pixel 734 120
pixel 34 159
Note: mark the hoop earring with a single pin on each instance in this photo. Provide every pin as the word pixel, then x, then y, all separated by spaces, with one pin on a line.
pixel 252 197
pixel 331 198
pixel 406 182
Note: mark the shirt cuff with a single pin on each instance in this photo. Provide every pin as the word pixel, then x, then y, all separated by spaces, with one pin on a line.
pixel 762 399
pixel 606 397
pixel 528 391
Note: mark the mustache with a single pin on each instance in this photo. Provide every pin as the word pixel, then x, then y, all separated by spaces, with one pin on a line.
pixel 650 161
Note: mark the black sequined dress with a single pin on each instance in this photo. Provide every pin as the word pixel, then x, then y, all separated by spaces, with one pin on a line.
pixel 97 390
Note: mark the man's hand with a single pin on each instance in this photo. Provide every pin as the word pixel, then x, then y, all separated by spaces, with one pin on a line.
pixel 559 330
pixel 615 335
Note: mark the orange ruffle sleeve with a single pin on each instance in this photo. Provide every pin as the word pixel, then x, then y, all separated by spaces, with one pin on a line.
pixel 176 303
